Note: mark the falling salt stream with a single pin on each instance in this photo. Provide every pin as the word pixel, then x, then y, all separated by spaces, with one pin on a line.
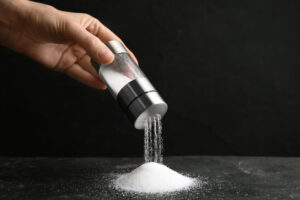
pixel 153 176
pixel 146 143
pixel 160 140
pixel 153 140
pixel 150 134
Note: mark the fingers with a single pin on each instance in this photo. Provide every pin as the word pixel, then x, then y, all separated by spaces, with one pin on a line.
pixel 76 57
pixel 78 73
pixel 85 63
pixel 106 35
pixel 69 56
pixel 92 39
pixel 93 45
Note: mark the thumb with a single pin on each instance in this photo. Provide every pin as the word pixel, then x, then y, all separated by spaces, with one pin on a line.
pixel 94 47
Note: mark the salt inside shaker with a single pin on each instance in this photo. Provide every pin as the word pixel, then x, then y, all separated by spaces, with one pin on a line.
pixel 130 87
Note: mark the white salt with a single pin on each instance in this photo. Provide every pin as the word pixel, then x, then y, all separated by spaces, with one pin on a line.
pixel 153 143
pixel 113 79
pixel 153 177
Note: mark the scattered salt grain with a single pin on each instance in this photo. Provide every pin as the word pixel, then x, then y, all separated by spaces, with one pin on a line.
pixel 153 177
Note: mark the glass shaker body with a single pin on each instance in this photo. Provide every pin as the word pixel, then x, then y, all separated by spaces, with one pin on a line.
pixel 119 73
pixel 130 87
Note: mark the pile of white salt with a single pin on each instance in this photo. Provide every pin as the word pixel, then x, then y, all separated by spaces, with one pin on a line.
pixel 153 177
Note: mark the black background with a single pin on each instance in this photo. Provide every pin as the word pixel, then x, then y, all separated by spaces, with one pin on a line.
pixel 229 71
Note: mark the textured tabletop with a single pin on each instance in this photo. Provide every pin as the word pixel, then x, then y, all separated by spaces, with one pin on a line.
pixel 90 178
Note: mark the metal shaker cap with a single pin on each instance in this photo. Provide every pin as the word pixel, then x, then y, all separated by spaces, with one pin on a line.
pixel 147 105
pixel 140 100
pixel 116 47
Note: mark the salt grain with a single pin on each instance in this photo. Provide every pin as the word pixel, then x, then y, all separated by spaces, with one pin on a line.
pixel 153 177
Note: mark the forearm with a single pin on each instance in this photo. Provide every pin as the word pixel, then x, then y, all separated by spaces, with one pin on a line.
pixel 11 14
pixel 11 11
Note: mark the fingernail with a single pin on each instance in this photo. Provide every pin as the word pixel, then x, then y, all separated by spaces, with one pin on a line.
pixel 101 84
pixel 106 56
pixel 102 87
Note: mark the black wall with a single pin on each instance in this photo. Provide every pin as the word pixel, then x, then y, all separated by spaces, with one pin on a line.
pixel 229 71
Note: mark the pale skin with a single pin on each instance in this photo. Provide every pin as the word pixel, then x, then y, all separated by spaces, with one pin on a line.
pixel 59 40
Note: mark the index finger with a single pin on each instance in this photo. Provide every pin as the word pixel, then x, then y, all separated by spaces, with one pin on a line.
pixel 105 35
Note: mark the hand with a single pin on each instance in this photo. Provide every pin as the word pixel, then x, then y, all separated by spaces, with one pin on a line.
pixel 61 41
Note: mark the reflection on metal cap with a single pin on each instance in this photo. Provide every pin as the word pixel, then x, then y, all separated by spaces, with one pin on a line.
pixel 140 100
pixel 116 47
pixel 145 106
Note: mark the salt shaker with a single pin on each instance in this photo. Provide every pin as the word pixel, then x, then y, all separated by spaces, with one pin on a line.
pixel 130 87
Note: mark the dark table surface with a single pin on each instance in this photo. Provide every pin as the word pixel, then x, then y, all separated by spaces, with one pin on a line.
pixel 91 178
